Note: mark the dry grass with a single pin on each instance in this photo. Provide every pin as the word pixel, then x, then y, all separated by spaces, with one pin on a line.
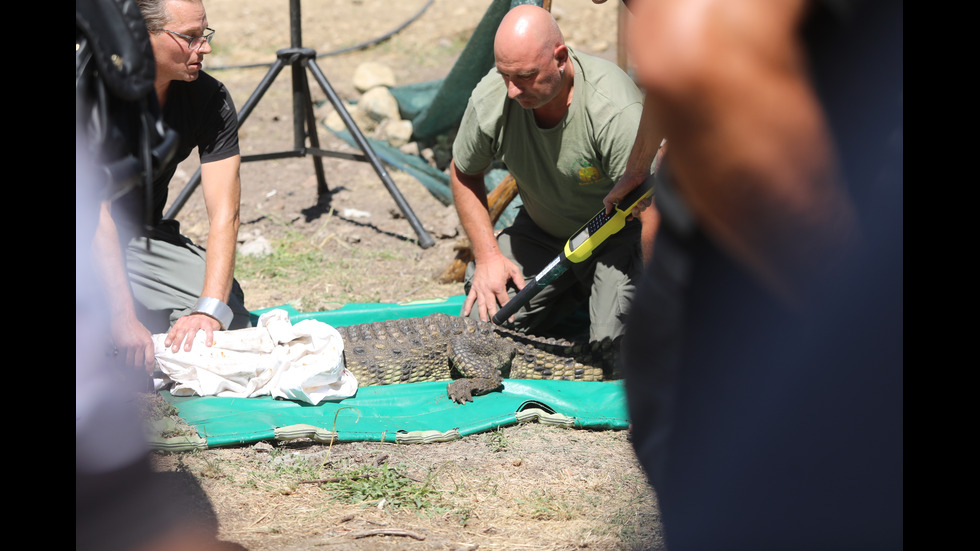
pixel 524 487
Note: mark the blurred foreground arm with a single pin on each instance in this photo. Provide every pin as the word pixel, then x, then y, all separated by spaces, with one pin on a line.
pixel 749 147
pixel 130 337
pixel 649 139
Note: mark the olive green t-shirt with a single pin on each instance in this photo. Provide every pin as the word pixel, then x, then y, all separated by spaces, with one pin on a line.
pixel 564 172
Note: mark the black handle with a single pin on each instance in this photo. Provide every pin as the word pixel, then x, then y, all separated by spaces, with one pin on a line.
pixel 514 304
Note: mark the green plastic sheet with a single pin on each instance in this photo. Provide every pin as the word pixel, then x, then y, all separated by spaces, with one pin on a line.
pixel 406 413
pixel 409 413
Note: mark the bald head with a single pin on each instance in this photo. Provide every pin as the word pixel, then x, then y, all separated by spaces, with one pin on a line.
pixel 527 31
pixel 530 54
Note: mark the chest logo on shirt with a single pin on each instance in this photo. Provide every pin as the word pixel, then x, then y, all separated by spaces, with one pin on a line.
pixel 588 174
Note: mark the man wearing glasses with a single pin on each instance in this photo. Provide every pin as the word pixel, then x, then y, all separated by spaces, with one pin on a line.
pixel 163 282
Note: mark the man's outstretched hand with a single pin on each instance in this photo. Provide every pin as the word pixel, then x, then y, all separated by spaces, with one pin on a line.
pixel 186 329
pixel 489 290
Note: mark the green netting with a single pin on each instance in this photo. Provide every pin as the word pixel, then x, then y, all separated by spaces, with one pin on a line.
pixel 440 108
pixel 408 413
pixel 436 107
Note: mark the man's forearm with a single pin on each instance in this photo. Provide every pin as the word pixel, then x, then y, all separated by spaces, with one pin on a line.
pixel 112 266
pixel 649 137
pixel 219 270
pixel 222 196
pixel 639 163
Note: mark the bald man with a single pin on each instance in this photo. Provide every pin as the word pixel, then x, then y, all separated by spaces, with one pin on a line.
pixel 563 123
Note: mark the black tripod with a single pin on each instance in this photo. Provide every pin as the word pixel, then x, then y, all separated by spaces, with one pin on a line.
pixel 304 124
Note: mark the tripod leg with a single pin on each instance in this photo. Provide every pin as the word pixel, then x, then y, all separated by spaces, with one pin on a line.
pixel 260 90
pixel 321 182
pixel 425 240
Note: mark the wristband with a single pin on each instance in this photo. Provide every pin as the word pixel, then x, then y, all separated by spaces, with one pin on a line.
pixel 216 309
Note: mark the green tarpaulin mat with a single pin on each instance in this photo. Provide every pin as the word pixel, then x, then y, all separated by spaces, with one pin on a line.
pixel 408 413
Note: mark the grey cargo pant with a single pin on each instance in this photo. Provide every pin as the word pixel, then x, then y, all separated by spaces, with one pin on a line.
pixel 167 279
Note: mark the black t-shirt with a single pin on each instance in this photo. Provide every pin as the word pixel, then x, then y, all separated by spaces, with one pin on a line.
pixel 203 114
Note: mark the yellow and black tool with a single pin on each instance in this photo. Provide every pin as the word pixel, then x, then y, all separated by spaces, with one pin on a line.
pixel 581 245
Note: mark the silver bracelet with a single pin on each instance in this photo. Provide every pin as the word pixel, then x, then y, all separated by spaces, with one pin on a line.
pixel 216 309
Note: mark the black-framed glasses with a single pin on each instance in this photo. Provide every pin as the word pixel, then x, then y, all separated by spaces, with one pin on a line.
pixel 194 42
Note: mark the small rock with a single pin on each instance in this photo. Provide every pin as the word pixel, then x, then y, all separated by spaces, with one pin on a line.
pixel 334 122
pixel 378 104
pixel 398 132
pixel 411 148
pixel 256 246
pixel 379 130
pixel 371 74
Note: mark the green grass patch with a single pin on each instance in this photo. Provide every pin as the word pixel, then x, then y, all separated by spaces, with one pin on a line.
pixel 542 505
pixel 369 485
pixel 496 440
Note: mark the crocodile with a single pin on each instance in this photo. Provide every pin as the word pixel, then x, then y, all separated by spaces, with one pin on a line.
pixel 476 355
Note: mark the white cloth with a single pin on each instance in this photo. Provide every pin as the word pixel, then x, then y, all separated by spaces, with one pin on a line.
pixel 296 362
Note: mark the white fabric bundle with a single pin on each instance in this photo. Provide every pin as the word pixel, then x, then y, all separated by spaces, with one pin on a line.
pixel 297 362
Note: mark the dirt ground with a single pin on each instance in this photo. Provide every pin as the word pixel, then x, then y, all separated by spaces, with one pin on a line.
pixel 522 487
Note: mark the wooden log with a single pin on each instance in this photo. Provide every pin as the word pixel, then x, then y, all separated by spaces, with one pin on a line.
pixel 497 201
